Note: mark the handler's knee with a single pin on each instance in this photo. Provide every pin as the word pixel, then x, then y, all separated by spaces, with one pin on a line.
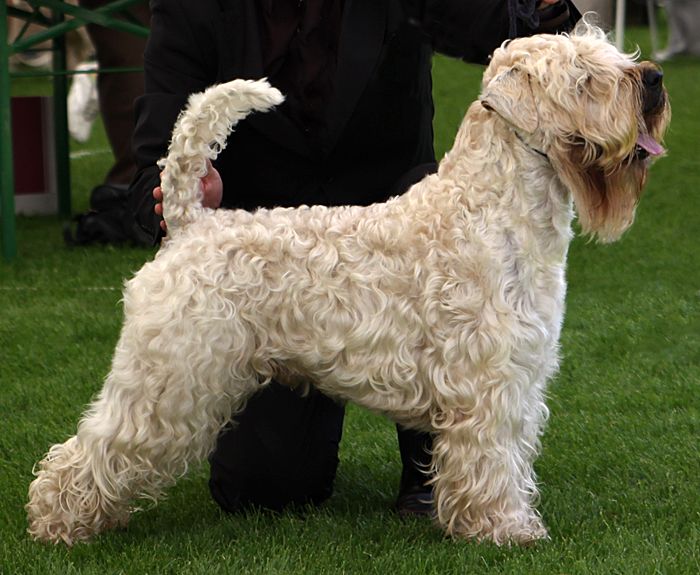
pixel 283 451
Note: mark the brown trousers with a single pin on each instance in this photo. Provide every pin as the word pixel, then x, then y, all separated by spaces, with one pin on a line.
pixel 117 91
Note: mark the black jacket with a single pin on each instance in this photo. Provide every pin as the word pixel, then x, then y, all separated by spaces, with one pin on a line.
pixel 380 120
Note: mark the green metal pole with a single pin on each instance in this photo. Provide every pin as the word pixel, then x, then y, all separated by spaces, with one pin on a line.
pixel 7 184
pixel 60 123
pixel 101 17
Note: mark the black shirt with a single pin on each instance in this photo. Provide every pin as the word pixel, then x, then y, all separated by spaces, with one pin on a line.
pixel 299 50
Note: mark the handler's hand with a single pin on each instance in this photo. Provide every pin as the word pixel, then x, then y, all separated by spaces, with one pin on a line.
pixel 212 192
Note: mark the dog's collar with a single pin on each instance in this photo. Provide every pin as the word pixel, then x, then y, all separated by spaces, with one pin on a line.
pixel 528 146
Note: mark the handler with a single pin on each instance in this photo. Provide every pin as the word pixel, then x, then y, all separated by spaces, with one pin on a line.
pixel 356 128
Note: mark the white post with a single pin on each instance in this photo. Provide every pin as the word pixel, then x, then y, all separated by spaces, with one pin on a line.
pixel 620 24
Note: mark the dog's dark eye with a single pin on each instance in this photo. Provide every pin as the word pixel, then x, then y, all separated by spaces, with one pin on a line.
pixel 640 153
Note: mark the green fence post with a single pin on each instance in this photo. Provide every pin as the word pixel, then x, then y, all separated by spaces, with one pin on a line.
pixel 7 185
pixel 60 122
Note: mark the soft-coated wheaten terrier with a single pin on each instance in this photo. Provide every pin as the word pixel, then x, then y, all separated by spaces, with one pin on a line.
pixel 441 308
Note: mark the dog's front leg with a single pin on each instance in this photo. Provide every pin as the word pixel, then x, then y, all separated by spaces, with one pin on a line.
pixel 484 484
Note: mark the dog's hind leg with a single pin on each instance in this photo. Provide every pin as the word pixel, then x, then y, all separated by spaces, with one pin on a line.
pixel 168 394
pixel 484 484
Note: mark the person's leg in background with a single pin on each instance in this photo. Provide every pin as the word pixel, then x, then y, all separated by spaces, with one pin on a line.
pixel 415 497
pixel 282 450
pixel 683 18
pixel 117 91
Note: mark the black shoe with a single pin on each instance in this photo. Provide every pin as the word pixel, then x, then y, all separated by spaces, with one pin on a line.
pixel 415 501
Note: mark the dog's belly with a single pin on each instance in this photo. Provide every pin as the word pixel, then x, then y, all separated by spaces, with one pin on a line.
pixel 396 400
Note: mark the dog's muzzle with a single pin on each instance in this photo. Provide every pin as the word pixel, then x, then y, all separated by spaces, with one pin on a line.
pixel 654 94
pixel 653 102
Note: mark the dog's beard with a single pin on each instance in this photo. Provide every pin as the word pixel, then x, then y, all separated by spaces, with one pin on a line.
pixel 606 184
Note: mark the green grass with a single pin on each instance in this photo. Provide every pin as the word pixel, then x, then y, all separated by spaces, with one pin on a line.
pixel 620 464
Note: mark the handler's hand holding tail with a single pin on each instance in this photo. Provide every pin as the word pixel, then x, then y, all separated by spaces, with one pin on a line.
pixel 212 192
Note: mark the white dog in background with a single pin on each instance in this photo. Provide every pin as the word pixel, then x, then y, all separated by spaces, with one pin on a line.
pixel 441 308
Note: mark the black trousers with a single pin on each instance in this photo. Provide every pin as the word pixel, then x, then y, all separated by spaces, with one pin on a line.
pixel 284 451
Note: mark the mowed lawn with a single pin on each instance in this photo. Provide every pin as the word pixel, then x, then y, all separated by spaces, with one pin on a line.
pixel 620 466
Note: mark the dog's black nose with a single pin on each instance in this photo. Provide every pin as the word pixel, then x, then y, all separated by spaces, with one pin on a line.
pixel 652 78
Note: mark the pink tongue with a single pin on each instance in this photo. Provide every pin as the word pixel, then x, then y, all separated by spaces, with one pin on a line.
pixel 646 142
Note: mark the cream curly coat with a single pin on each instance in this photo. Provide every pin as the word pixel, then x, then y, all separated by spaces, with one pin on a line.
pixel 441 308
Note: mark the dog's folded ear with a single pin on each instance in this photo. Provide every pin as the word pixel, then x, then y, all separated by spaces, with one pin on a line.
pixel 509 94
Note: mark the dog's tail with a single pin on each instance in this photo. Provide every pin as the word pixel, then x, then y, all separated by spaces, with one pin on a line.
pixel 200 133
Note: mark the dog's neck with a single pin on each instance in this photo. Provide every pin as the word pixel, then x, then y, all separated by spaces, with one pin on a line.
pixel 521 181
pixel 530 146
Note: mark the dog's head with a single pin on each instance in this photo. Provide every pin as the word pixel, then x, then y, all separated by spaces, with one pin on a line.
pixel 598 115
